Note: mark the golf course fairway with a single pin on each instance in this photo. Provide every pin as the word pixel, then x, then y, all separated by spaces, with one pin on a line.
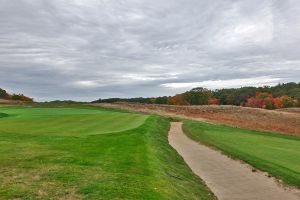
pixel 90 153
pixel 279 155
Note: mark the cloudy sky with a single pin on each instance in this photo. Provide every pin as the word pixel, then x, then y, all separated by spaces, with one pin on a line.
pixel 87 49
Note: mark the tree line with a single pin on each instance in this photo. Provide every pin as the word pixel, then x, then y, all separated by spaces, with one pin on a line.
pixel 16 97
pixel 280 96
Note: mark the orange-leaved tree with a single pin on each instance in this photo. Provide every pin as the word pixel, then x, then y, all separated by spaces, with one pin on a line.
pixel 178 99
pixel 213 101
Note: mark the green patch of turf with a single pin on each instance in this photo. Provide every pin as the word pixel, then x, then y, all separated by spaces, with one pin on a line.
pixel 41 158
pixel 3 115
pixel 67 121
pixel 279 155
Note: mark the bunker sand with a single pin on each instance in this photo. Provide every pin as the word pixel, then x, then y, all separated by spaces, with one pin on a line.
pixel 227 178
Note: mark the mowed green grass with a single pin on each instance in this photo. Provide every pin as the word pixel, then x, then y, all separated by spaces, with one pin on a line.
pixel 66 121
pixel 279 155
pixel 92 153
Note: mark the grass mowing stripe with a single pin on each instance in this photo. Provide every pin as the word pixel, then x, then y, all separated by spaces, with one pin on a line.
pixel 277 154
pixel 96 122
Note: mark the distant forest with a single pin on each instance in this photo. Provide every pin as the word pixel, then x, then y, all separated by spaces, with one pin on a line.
pixel 16 97
pixel 280 96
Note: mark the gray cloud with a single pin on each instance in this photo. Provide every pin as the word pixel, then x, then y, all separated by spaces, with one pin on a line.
pixel 63 49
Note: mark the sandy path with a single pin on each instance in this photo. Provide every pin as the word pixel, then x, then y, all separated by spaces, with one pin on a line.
pixel 227 178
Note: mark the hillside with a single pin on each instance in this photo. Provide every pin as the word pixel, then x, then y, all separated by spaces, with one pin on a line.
pixel 6 97
pixel 235 116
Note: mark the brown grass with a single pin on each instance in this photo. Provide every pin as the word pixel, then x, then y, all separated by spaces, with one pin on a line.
pixel 10 102
pixel 31 181
pixel 251 118
pixel 290 110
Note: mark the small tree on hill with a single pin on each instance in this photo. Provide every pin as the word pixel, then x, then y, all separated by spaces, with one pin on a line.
pixel 3 94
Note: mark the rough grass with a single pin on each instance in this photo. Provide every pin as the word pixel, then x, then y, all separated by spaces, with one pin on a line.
pixel 290 110
pixel 41 159
pixel 279 155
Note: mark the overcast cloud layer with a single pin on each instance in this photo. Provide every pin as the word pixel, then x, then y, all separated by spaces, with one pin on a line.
pixel 87 49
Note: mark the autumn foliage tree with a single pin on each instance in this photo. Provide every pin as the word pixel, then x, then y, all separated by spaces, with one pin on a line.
pixel 280 96
pixel 197 96
pixel 288 102
pixel 266 100
pixel 277 102
pixel 178 99
pixel 261 100
pixel 255 102
pixel 21 97
pixel 213 101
